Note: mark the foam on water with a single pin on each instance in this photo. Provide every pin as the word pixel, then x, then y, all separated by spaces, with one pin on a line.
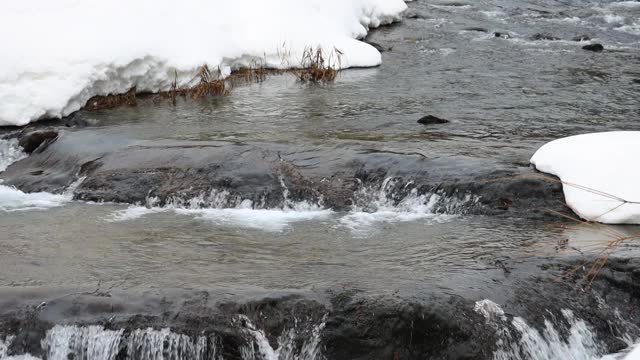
pixel 4 346
pixel 12 199
pixel 372 206
pixel 390 202
pixel 10 152
pixel 221 208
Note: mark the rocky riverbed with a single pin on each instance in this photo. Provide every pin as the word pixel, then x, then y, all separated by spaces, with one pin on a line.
pixel 295 221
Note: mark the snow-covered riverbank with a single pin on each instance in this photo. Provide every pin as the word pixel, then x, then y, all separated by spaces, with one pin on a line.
pixel 68 52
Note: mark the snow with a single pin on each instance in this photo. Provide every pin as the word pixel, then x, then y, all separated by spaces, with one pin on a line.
pixel 599 173
pixel 634 354
pixel 61 53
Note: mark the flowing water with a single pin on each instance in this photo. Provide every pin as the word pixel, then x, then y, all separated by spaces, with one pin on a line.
pixel 505 96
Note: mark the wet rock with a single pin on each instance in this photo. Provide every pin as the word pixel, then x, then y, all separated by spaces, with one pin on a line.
pixel 413 14
pixel 477 29
pixel 350 323
pixel 120 170
pixel 593 47
pixel 378 47
pixel 431 120
pixel 581 38
pixel 544 36
pixel 37 140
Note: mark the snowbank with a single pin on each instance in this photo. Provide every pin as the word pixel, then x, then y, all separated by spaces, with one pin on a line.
pixel 599 172
pixel 58 54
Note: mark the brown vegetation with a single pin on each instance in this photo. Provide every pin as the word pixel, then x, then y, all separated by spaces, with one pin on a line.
pixel 587 271
pixel 316 67
pixel 97 103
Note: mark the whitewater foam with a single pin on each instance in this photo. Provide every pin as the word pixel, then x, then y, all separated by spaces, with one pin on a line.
pixel 223 208
pixel 390 202
pixel 12 199
pixel 10 152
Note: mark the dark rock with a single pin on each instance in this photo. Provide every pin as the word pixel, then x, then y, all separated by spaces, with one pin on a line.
pixel 478 29
pixel 412 14
pixel 636 81
pixel 581 38
pixel 593 47
pixel 37 140
pixel 431 120
pixel 378 47
pixel 544 36
pixel 502 35
pixel 357 325
pixel 121 170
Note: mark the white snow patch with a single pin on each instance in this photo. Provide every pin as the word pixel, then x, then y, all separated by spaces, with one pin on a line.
pixel 634 354
pixel 599 174
pixel 62 53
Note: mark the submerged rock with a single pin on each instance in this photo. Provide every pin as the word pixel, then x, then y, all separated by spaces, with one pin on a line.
pixel 478 29
pixel 593 47
pixel 37 140
pixel 430 120
pixel 378 47
pixel 413 14
pixel 581 38
pixel 544 36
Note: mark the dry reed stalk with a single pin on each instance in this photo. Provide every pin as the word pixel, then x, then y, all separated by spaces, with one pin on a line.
pixel 112 101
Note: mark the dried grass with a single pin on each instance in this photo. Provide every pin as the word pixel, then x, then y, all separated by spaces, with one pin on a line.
pixel 98 103
pixel 612 239
pixel 205 85
pixel 317 67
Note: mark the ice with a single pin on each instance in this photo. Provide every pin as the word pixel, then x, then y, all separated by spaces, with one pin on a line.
pixel 599 174
pixel 62 53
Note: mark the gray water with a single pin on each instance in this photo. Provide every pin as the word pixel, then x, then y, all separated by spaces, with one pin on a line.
pixel 504 97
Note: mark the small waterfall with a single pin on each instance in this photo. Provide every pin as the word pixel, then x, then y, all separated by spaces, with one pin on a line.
pixel 397 195
pixel 63 342
pixel 150 344
pixel 397 201
pixel 12 199
pixel 518 340
pixel 4 346
pixel 85 343
pixel 259 348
